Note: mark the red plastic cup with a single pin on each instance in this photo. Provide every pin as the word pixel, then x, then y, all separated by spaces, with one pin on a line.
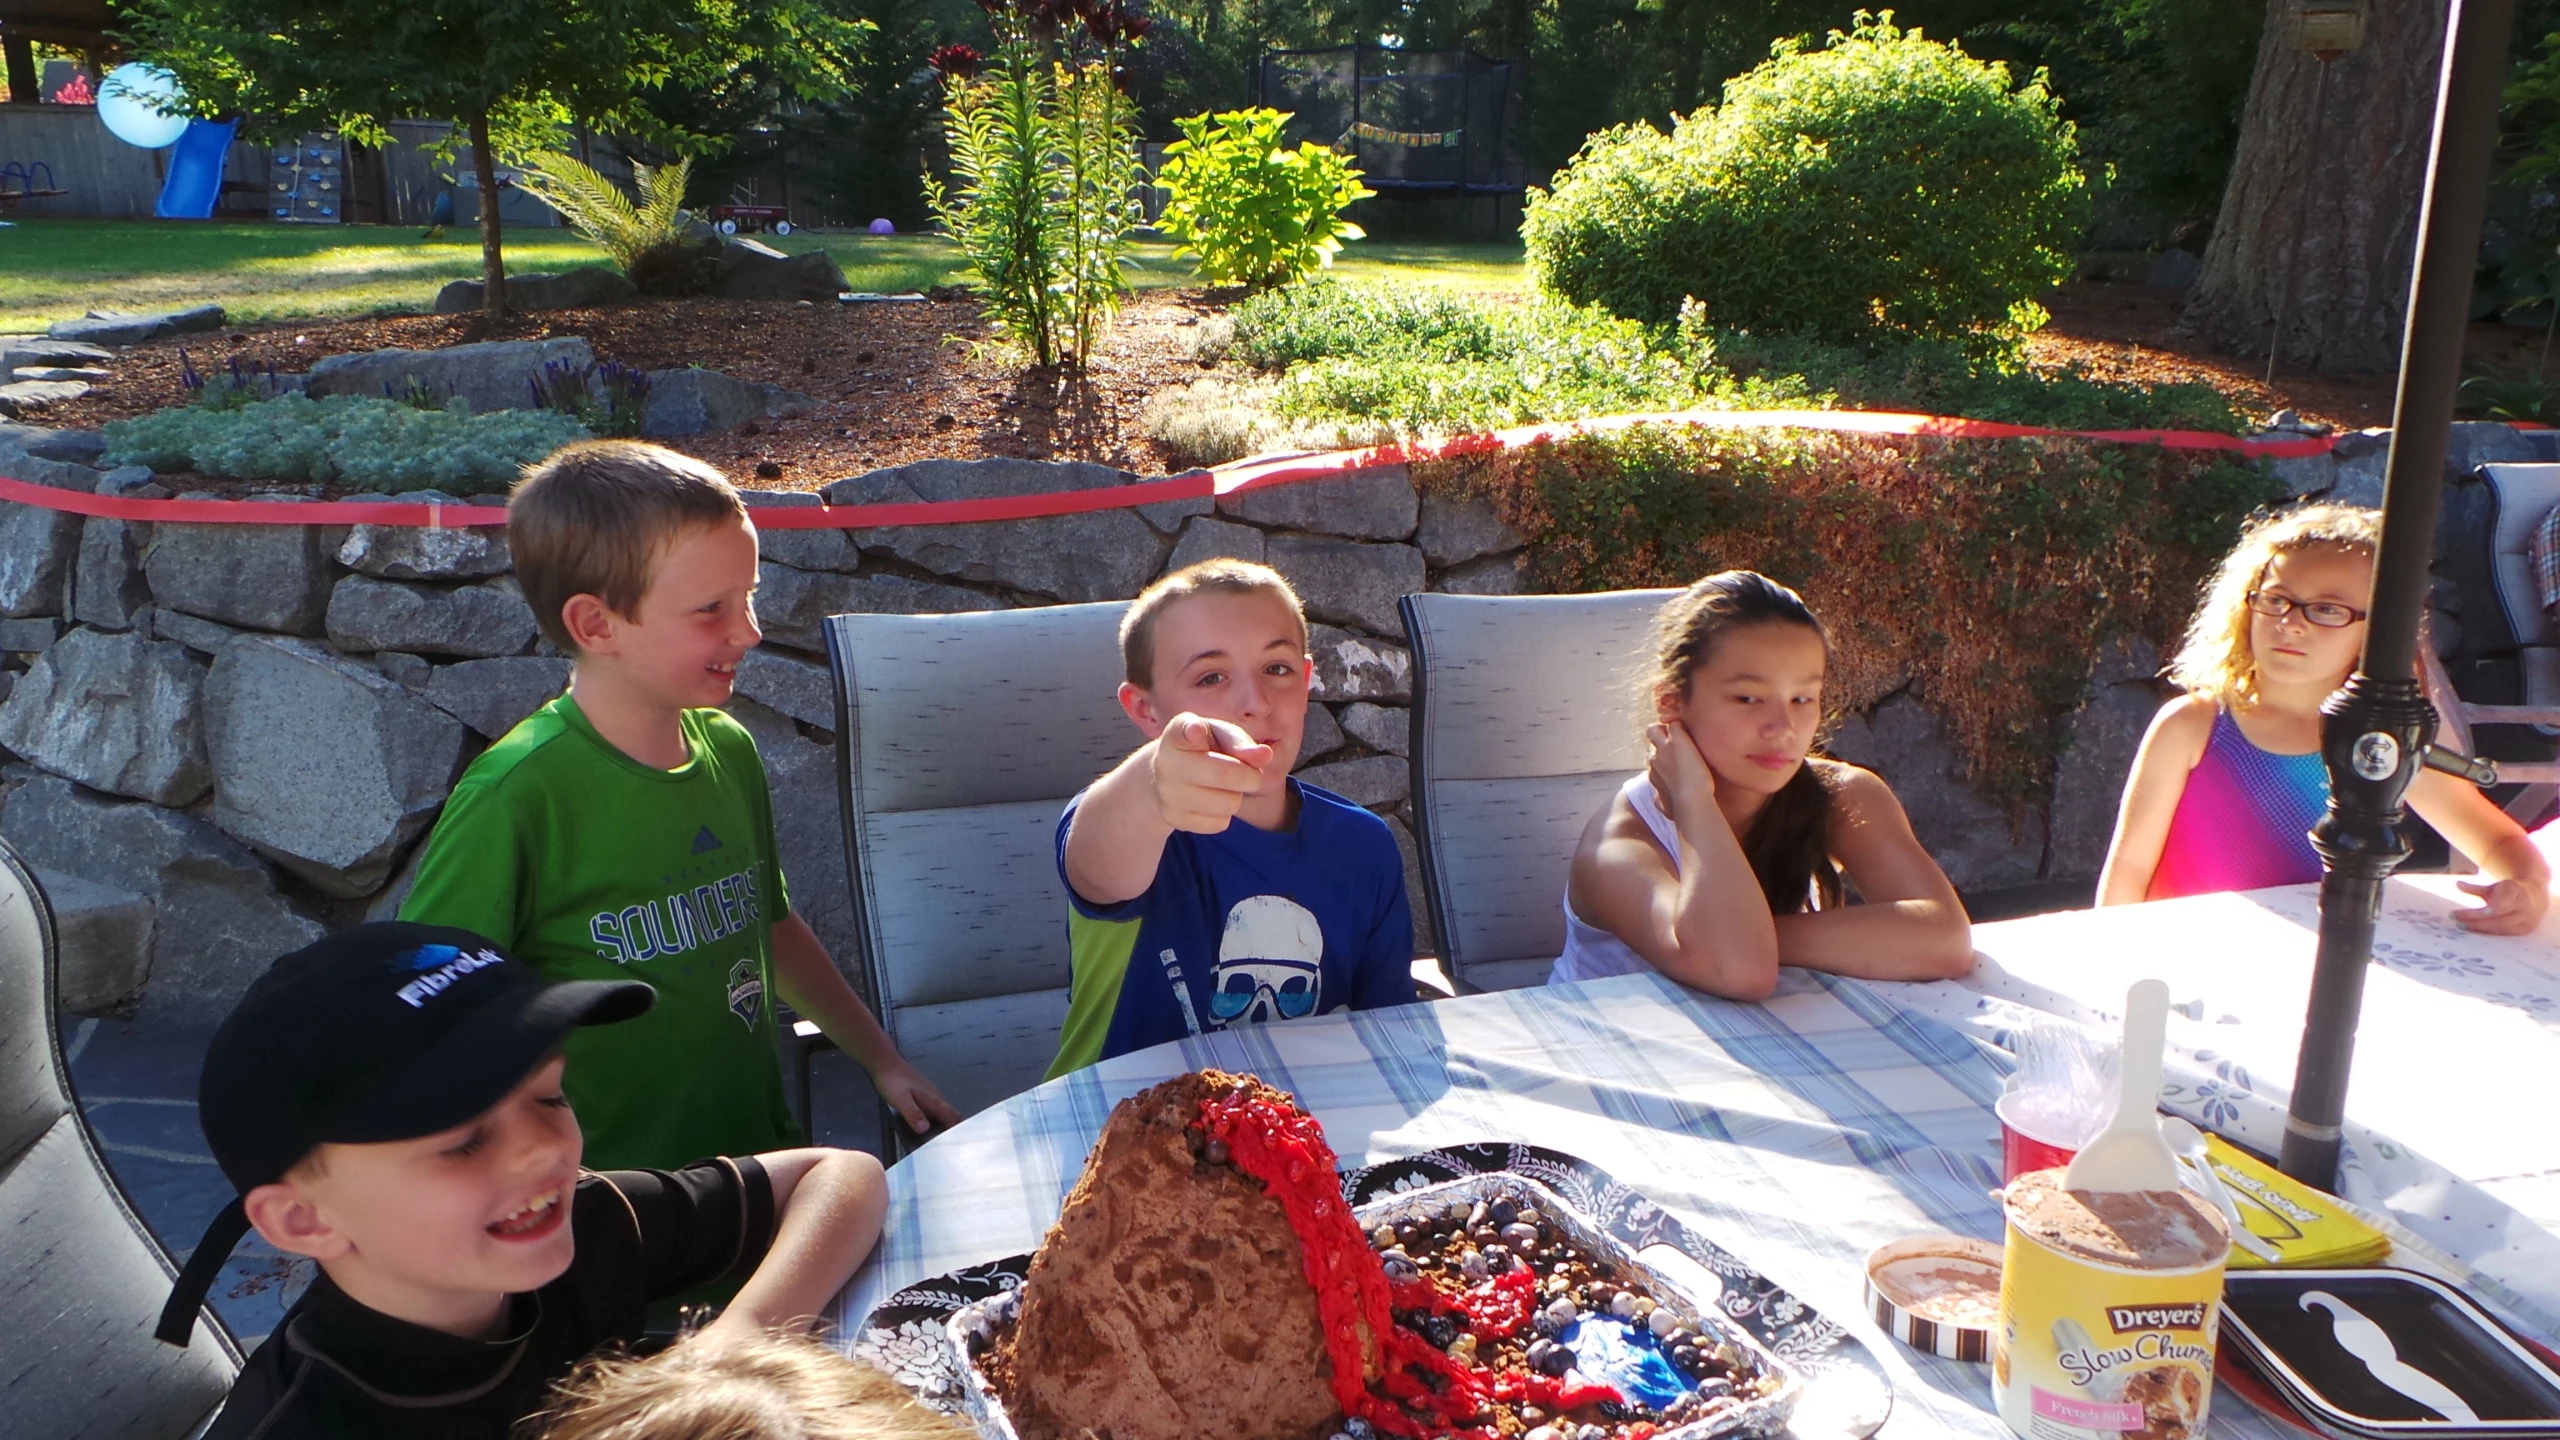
pixel 2022 1151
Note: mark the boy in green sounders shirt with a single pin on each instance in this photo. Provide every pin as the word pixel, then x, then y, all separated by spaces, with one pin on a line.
pixel 625 831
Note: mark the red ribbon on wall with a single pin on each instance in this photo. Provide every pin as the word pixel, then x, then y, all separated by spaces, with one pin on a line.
pixel 1260 472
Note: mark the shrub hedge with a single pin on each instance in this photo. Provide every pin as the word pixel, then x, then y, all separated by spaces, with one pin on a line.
pixel 1886 186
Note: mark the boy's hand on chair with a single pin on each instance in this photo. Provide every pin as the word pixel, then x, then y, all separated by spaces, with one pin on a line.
pixel 913 1097
pixel 1678 772
pixel 1203 771
pixel 2507 907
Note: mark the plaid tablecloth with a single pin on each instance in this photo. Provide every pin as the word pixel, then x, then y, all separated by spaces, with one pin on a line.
pixel 1799 1134
pixel 2457 1065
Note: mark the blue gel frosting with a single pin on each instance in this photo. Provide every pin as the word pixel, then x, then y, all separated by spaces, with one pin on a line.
pixel 1626 1357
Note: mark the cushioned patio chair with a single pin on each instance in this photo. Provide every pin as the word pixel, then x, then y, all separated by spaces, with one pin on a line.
pixel 81 1279
pixel 2512 647
pixel 1524 722
pixel 960 740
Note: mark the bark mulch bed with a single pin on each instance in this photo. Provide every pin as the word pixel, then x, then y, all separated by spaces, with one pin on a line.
pixel 2129 332
pixel 917 381
pixel 895 382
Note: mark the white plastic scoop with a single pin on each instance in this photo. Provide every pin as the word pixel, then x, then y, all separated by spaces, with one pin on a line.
pixel 2129 1154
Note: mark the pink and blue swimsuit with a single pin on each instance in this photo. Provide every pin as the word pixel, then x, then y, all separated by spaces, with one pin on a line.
pixel 2244 821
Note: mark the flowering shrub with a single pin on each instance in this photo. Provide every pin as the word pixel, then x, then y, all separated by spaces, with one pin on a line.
pixel 229 388
pixel 1045 170
pixel 356 441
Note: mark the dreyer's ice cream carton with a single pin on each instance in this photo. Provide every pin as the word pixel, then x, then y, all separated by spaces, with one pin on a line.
pixel 2108 1306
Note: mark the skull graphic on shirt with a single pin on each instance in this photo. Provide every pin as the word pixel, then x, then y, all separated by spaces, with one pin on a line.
pixel 1270 963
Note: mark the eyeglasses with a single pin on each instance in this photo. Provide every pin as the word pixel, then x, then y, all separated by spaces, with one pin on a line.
pixel 2328 614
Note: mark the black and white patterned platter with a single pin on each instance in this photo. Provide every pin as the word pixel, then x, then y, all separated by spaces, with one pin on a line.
pixel 1847 1395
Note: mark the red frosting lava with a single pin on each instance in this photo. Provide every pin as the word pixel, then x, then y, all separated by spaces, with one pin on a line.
pixel 1427 1391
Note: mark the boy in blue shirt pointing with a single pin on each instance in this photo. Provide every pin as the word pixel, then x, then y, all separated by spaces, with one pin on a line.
pixel 1207 888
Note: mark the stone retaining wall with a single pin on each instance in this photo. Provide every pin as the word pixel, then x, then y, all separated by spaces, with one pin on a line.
pixel 222 739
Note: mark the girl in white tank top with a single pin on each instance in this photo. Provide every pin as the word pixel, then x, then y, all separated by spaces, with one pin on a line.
pixel 1589 951
pixel 1725 859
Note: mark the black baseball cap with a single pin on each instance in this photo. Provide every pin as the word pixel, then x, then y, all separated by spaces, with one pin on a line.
pixel 388 1031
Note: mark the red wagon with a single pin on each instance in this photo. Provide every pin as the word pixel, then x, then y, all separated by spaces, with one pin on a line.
pixel 730 219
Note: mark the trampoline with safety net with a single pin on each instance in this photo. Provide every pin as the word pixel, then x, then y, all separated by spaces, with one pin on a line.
pixel 1422 124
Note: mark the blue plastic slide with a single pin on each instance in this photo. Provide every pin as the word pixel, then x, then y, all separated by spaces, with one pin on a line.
pixel 195 171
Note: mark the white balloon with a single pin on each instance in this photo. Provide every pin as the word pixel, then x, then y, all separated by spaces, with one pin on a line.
pixel 129 103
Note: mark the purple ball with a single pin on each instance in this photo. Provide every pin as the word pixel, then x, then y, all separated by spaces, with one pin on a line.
pixel 883 227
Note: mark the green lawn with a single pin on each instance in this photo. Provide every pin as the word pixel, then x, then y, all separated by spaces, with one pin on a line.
pixel 57 269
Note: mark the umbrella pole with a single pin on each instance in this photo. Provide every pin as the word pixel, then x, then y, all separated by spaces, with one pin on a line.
pixel 2375 729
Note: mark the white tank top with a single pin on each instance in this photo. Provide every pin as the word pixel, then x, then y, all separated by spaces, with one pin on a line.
pixel 1590 952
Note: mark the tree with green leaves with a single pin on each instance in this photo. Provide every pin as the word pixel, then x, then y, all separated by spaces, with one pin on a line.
pixel 508 74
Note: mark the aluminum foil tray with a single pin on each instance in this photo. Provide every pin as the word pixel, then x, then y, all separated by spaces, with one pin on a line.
pixel 973 1325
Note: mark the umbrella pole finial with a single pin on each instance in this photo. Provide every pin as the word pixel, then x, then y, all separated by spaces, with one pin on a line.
pixel 2377 728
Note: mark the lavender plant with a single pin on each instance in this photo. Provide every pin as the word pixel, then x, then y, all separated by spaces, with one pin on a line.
pixel 229 388
pixel 608 398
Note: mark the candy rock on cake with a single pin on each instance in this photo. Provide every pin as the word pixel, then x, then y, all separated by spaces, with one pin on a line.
pixel 1171 1300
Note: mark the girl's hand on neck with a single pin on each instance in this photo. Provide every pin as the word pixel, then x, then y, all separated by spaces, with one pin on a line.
pixel 1681 779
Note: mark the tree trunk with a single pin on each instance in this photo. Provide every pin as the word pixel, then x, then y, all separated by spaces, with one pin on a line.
pixel 21 59
pixel 493 265
pixel 2320 218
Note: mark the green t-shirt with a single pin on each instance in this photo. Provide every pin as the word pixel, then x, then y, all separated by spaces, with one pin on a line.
pixel 589 865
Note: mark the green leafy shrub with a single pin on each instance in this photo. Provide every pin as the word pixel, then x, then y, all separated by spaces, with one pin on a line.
pixel 647 240
pixel 1248 211
pixel 1884 186
pixel 1941 378
pixel 1424 362
pixel 1045 176
pixel 1326 320
pixel 1987 576
pixel 2501 396
pixel 357 441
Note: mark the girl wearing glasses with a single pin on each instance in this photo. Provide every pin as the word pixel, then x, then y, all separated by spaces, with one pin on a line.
pixel 2229 780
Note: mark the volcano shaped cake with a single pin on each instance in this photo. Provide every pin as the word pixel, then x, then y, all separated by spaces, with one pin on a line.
pixel 1170 1301
pixel 1207 1281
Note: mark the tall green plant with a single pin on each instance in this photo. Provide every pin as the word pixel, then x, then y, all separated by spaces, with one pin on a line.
pixel 1045 172
pixel 1249 211
pixel 596 208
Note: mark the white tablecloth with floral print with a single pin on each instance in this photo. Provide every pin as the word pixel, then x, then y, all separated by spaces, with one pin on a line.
pixel 2451 1127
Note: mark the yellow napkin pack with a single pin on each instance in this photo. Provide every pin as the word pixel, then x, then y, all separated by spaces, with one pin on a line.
pixel 2306 1227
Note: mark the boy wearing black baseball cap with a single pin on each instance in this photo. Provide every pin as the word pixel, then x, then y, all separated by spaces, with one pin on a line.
pixel 388 1102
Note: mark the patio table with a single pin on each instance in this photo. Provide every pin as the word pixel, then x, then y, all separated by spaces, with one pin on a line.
pixel 1798 1134
pixel 2450 1130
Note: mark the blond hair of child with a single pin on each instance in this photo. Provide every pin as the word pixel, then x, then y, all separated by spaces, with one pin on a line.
pixel 770 1387
pixel 2229 782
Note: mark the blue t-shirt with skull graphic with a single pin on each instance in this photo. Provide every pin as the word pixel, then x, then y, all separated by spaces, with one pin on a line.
pixel 1241 927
